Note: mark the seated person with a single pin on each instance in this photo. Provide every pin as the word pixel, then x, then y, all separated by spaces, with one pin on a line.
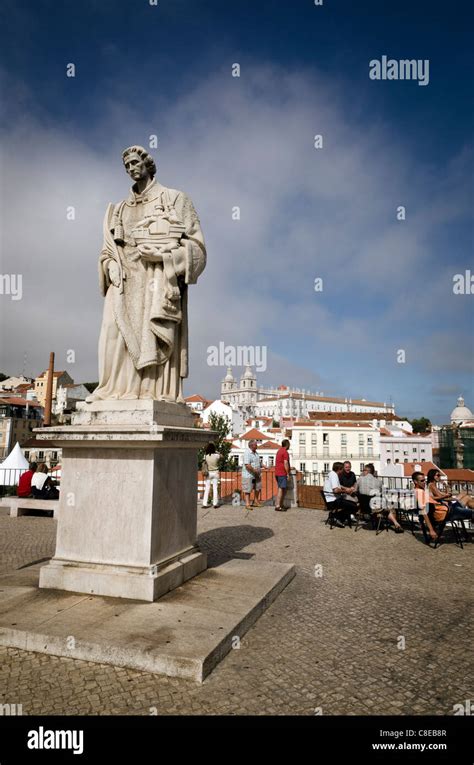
pixel 336 495
pixel 425 508
pixel 348 478
pixel 370 486
pixel 24 484
pixel 458 511
pixel 42 485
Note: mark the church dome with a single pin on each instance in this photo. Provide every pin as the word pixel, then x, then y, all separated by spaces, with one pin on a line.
pixel 229 376
pixel 461 412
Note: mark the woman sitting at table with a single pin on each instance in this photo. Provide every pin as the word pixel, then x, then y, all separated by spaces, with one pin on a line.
pixel 458 511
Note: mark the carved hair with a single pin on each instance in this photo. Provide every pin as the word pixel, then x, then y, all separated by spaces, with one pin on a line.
pixel 147 158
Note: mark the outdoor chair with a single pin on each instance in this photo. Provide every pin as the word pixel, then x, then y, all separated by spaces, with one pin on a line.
pixel 332 513
pixel 363 510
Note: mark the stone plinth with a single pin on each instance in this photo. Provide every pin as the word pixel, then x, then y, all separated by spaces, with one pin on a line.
pixel 186 634
pixel 127 509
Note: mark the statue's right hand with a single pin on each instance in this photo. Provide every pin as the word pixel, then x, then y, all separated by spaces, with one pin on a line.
pixel 114 273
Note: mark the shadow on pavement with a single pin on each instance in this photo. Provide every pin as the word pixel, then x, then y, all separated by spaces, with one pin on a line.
pixel 225 543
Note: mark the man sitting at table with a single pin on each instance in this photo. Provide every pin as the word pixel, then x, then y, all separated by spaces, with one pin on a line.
pixel 336 495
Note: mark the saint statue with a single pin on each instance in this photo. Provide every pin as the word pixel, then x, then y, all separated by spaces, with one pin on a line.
pixel 153 248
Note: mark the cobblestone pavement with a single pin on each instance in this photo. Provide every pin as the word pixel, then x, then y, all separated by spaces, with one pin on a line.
pixel 370 625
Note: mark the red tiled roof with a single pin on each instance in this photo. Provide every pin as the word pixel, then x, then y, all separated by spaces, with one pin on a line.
pixel 55 374
pixel 459 474
pixel 269 445
pixel 253 433
pixel 423 467
pixel 353 416
pixel 196 397
pixel 17 401
pixel 36 444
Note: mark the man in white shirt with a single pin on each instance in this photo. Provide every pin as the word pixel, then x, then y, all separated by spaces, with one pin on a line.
pixel 334 494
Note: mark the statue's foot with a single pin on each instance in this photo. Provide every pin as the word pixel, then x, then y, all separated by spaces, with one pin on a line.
pixel 180 400
pixel 90 399
pixel 129 397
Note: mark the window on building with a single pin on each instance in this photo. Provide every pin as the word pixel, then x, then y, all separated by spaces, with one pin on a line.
pixel 326 467
pixel 405 460
pixel 303 467
pixel 41 456
pixel 271 461
pixel 414 448
pixel 326 439
pixel 314 439
pixel 302 439
pixel 370 440
pixel 422 451
pixel 343 439
pixel 397 461
pixel 389 461
pixel 361 467
pixel 27 455
pixel 315 467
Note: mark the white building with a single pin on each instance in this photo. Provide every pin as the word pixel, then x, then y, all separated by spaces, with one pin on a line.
pixel 286 402
pixel 316 445
pixel 197 403
pixel 235 416
pixel 67 397
pixel 398 445
pixel 11 383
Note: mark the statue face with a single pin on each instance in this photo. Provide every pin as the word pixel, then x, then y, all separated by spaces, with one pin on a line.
pixel 135 167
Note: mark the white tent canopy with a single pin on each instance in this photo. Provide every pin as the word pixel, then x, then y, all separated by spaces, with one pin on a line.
pixel 12 468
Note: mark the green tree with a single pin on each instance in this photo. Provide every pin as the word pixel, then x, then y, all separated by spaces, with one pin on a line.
pixel 3 377
pixel 222 425
pixel 276 424
pixel 421 425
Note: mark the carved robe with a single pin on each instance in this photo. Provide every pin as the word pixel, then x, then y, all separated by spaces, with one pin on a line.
pixel 143 345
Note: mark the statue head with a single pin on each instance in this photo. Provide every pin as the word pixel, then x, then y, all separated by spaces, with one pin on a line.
pixel 138 163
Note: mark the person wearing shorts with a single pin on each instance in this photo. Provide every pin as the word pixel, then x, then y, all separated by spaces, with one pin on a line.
pixel 282 473
pixel 251 475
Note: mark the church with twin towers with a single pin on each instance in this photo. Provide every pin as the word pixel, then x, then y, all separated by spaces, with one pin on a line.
pixel 284 401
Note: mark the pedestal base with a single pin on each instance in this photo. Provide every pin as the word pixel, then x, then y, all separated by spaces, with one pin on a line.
pixel 127 511
pixel 121 581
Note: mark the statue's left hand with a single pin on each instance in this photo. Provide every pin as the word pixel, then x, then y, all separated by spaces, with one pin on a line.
pixel 179 261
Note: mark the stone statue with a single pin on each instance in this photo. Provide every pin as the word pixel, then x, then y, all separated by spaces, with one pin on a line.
pixel 153 248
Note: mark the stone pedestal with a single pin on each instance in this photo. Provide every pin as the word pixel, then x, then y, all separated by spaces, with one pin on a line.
pixel 127 508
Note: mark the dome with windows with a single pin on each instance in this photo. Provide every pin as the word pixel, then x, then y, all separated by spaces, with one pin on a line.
pixel 461 413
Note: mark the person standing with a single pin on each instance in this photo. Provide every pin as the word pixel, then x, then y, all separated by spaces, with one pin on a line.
pixel 211 475
pixel 251 475
pixel 282 473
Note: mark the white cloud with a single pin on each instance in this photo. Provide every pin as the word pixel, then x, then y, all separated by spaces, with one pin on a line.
pixel 305 213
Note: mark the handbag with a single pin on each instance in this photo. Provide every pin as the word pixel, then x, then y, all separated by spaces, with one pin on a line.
pixel 205 468
pixel 440 512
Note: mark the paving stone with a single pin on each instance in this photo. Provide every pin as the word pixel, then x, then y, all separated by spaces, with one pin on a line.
pixel 327 642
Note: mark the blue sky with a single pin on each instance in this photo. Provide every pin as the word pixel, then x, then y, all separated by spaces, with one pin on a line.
pixel 248 141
